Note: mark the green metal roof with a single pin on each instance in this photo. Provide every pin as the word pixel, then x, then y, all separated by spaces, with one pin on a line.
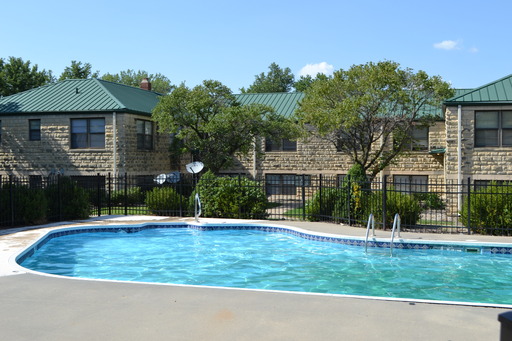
pixel 284 103
pixel 497 92
pixel 80 95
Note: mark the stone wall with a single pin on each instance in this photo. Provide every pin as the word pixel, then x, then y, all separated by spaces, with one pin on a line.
pixel 315 156
pixel 482 163
pixel 21 157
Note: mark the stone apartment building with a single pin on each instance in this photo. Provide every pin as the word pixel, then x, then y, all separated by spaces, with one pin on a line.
pixel 81 127
pixel 85 127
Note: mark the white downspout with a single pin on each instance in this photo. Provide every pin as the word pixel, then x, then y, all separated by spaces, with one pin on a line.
pixel 459 155
pixel 114 144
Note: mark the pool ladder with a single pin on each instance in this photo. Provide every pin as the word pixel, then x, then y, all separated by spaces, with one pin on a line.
pixel 197 207
pixel 371 222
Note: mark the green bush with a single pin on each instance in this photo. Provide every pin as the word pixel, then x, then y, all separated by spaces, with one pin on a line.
pixel 227 197
pixel 134 196
pixel 491 210
pixel 73 203
pixel 29 205
pixel 163 201
pixel 407 206
pixel 329 202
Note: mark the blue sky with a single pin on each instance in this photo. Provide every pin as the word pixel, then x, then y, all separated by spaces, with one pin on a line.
pixel 467 43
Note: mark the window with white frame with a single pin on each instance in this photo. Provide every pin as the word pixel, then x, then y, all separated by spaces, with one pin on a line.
pixel 493 128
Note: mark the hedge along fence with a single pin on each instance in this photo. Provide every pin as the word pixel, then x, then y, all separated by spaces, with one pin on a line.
pixel 26 203
pixel 433 207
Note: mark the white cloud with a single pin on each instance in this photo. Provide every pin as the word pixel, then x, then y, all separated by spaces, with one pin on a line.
pixel 314 69
pixel 447 45
pixel 473 50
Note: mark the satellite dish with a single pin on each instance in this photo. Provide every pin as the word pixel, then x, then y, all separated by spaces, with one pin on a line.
pixel 173 177
pixel 160 179
pixel 194 167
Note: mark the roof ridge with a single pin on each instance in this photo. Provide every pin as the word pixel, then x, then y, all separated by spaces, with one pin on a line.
pixel 111 95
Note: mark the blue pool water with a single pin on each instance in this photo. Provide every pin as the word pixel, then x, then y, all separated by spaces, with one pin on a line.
pixel 276 261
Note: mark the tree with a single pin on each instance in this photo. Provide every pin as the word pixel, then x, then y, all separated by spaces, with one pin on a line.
pixel 17 76
pixel 159 82
pixel 210 124
pixel 305 82
pixel 78 71
pixel 370 107
pixel 276 80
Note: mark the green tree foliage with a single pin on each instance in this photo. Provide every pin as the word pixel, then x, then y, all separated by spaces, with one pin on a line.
pixel 17 76
pixel 364 110
pixel 29 205
pixel 305 82
pixel 275 80
pixel 78 71
pixel 229 197
pixel 406 205
pixel 490 209
pixel 159 82
pixel 210 124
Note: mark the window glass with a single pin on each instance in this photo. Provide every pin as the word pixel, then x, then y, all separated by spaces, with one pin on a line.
pixel 34 130
pixel 486 137
pixel 506 117
pixel 97 125
pixel 486 120
pixel 88 133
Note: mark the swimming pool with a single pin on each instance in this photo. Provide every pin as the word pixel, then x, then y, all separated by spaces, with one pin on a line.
pixel 277 258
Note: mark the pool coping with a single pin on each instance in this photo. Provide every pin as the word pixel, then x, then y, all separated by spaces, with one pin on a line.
pixel 46 231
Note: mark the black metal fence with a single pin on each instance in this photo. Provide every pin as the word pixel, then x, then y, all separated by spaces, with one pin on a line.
pixel 424 205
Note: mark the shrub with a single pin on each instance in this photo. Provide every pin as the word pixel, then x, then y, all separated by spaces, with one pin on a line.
pixel 134 196
pixel 407 206
pixel 73 203
pixel 327 203
pixel 227 197
pixel 163 201
pixel 491 210
pixel 29 205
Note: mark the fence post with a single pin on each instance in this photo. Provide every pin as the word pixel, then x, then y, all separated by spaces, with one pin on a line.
pixel 98 193
pixel 320 193
pixel 11 199
pixel 239 189
pixel 384 199
pixel 59 197
pixel 303 197
pixel 469 206
pixel 109 195
pixel 349 197
pixel 125 193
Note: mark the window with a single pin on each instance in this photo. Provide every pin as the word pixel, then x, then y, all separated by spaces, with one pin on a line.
pixel 88 133
pixel 418 139
pixel 282 145
pixel 411 183
pixel 34 130
pixel 493 128
pixel 285 184
pixel 144 134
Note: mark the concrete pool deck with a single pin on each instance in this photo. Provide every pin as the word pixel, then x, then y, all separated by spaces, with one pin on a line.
pixel 40 307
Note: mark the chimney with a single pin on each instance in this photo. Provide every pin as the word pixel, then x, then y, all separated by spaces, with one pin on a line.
pixel 145 84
